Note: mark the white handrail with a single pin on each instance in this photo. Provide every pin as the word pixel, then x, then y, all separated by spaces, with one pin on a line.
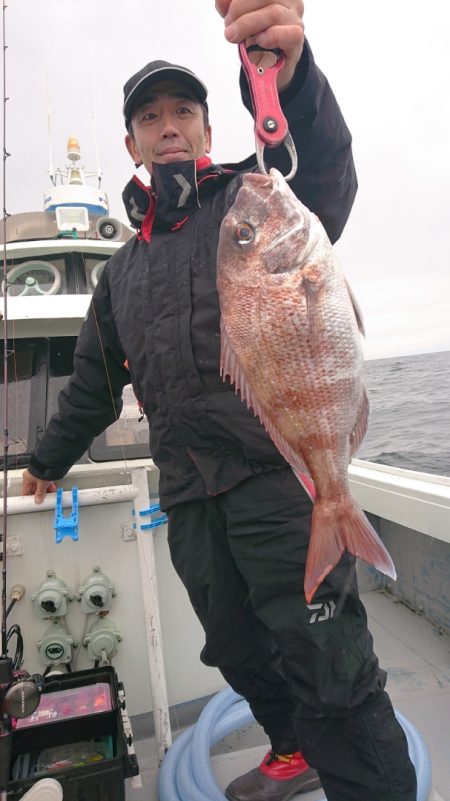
pixel 86 497
pixel 418 501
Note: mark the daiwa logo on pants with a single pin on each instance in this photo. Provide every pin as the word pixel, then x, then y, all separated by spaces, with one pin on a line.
pixel 321 612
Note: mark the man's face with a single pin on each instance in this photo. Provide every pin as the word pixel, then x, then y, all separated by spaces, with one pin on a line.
pixel 168 125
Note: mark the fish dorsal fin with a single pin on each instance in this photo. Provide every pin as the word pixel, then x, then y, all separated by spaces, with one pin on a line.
pixel 356 309
pixel 359 431
pixel 230 366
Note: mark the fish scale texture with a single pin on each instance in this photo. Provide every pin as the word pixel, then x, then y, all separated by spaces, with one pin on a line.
pixel 291 344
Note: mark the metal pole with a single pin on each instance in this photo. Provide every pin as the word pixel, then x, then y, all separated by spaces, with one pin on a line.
pixel 152 619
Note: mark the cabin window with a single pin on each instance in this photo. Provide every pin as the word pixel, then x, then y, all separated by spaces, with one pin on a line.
pixel 92 268
pixel 38 370
pixel 72 273
pixel 36 277
pixel 25 383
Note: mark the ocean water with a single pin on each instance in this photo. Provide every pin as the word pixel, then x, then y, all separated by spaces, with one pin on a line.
pixel 409 423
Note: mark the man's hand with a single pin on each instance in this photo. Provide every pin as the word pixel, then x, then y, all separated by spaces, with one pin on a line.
pixel 270 24
pixel 36 486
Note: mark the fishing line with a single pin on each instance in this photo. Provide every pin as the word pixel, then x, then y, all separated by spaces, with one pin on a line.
pixel 108 377
pixel 173 712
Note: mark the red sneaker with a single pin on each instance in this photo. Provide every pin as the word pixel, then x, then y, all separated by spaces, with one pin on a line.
pixel 278 778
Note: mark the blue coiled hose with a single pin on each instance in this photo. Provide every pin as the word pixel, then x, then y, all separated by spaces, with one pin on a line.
pixel 186 773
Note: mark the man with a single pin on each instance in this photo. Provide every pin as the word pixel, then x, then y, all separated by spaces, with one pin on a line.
pixel 239 521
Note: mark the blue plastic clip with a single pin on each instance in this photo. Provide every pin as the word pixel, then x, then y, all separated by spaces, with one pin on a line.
pixel 66 526
pixel 155 523
pixel 158 522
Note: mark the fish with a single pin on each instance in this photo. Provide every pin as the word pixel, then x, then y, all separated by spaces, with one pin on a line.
pixel 291 343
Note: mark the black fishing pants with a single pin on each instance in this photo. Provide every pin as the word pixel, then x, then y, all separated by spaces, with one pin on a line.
pixel 308 671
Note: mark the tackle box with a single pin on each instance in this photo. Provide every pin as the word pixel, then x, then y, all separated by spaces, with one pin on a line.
pixel 76 736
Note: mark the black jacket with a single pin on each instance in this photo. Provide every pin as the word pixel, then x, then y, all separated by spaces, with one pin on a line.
pixel 156 308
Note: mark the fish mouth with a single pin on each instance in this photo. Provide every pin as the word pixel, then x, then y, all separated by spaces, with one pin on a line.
pixel 273 180
pixel 256 180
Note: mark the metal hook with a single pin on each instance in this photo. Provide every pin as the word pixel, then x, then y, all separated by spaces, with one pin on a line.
pixel 271 127
pixel 288 143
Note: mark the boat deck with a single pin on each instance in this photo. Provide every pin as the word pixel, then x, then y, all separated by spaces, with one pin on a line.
pixel 417 658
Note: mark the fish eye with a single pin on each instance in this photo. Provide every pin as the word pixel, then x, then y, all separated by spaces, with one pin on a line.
pixel 244 233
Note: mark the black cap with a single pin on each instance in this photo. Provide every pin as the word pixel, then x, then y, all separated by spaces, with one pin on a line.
pixel 154 72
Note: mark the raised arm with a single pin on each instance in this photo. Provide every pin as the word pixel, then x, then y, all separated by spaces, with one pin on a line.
pixel 326 179
pixel 269 24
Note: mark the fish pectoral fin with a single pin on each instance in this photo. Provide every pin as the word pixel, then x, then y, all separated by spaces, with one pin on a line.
pixel 359 431
pixel 334 531
pixel 356 309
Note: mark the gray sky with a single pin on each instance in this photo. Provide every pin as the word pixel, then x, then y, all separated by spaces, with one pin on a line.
pixel 388 65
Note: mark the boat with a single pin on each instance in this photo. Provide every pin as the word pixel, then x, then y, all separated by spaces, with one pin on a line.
pixel 89 578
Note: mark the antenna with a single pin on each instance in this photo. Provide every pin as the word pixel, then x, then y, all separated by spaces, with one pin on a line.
pixel 50 154
pixel 94 135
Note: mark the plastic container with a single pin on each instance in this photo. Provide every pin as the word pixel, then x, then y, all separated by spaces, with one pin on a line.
pixel 62 757
pixel 77 755
pixel 74 702
pixel 77 739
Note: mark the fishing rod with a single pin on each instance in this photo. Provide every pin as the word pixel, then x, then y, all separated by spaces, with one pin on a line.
pixel 6 671
pixel 6 668
pixel 19 693
pixel 5 352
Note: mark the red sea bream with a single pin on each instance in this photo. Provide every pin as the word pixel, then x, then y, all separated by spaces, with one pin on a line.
pixel 291 344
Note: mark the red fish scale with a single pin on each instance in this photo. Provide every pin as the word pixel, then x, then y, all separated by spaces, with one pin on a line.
pixel 291 345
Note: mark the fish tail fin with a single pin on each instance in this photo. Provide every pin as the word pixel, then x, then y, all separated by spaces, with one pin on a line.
pixel 336 531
